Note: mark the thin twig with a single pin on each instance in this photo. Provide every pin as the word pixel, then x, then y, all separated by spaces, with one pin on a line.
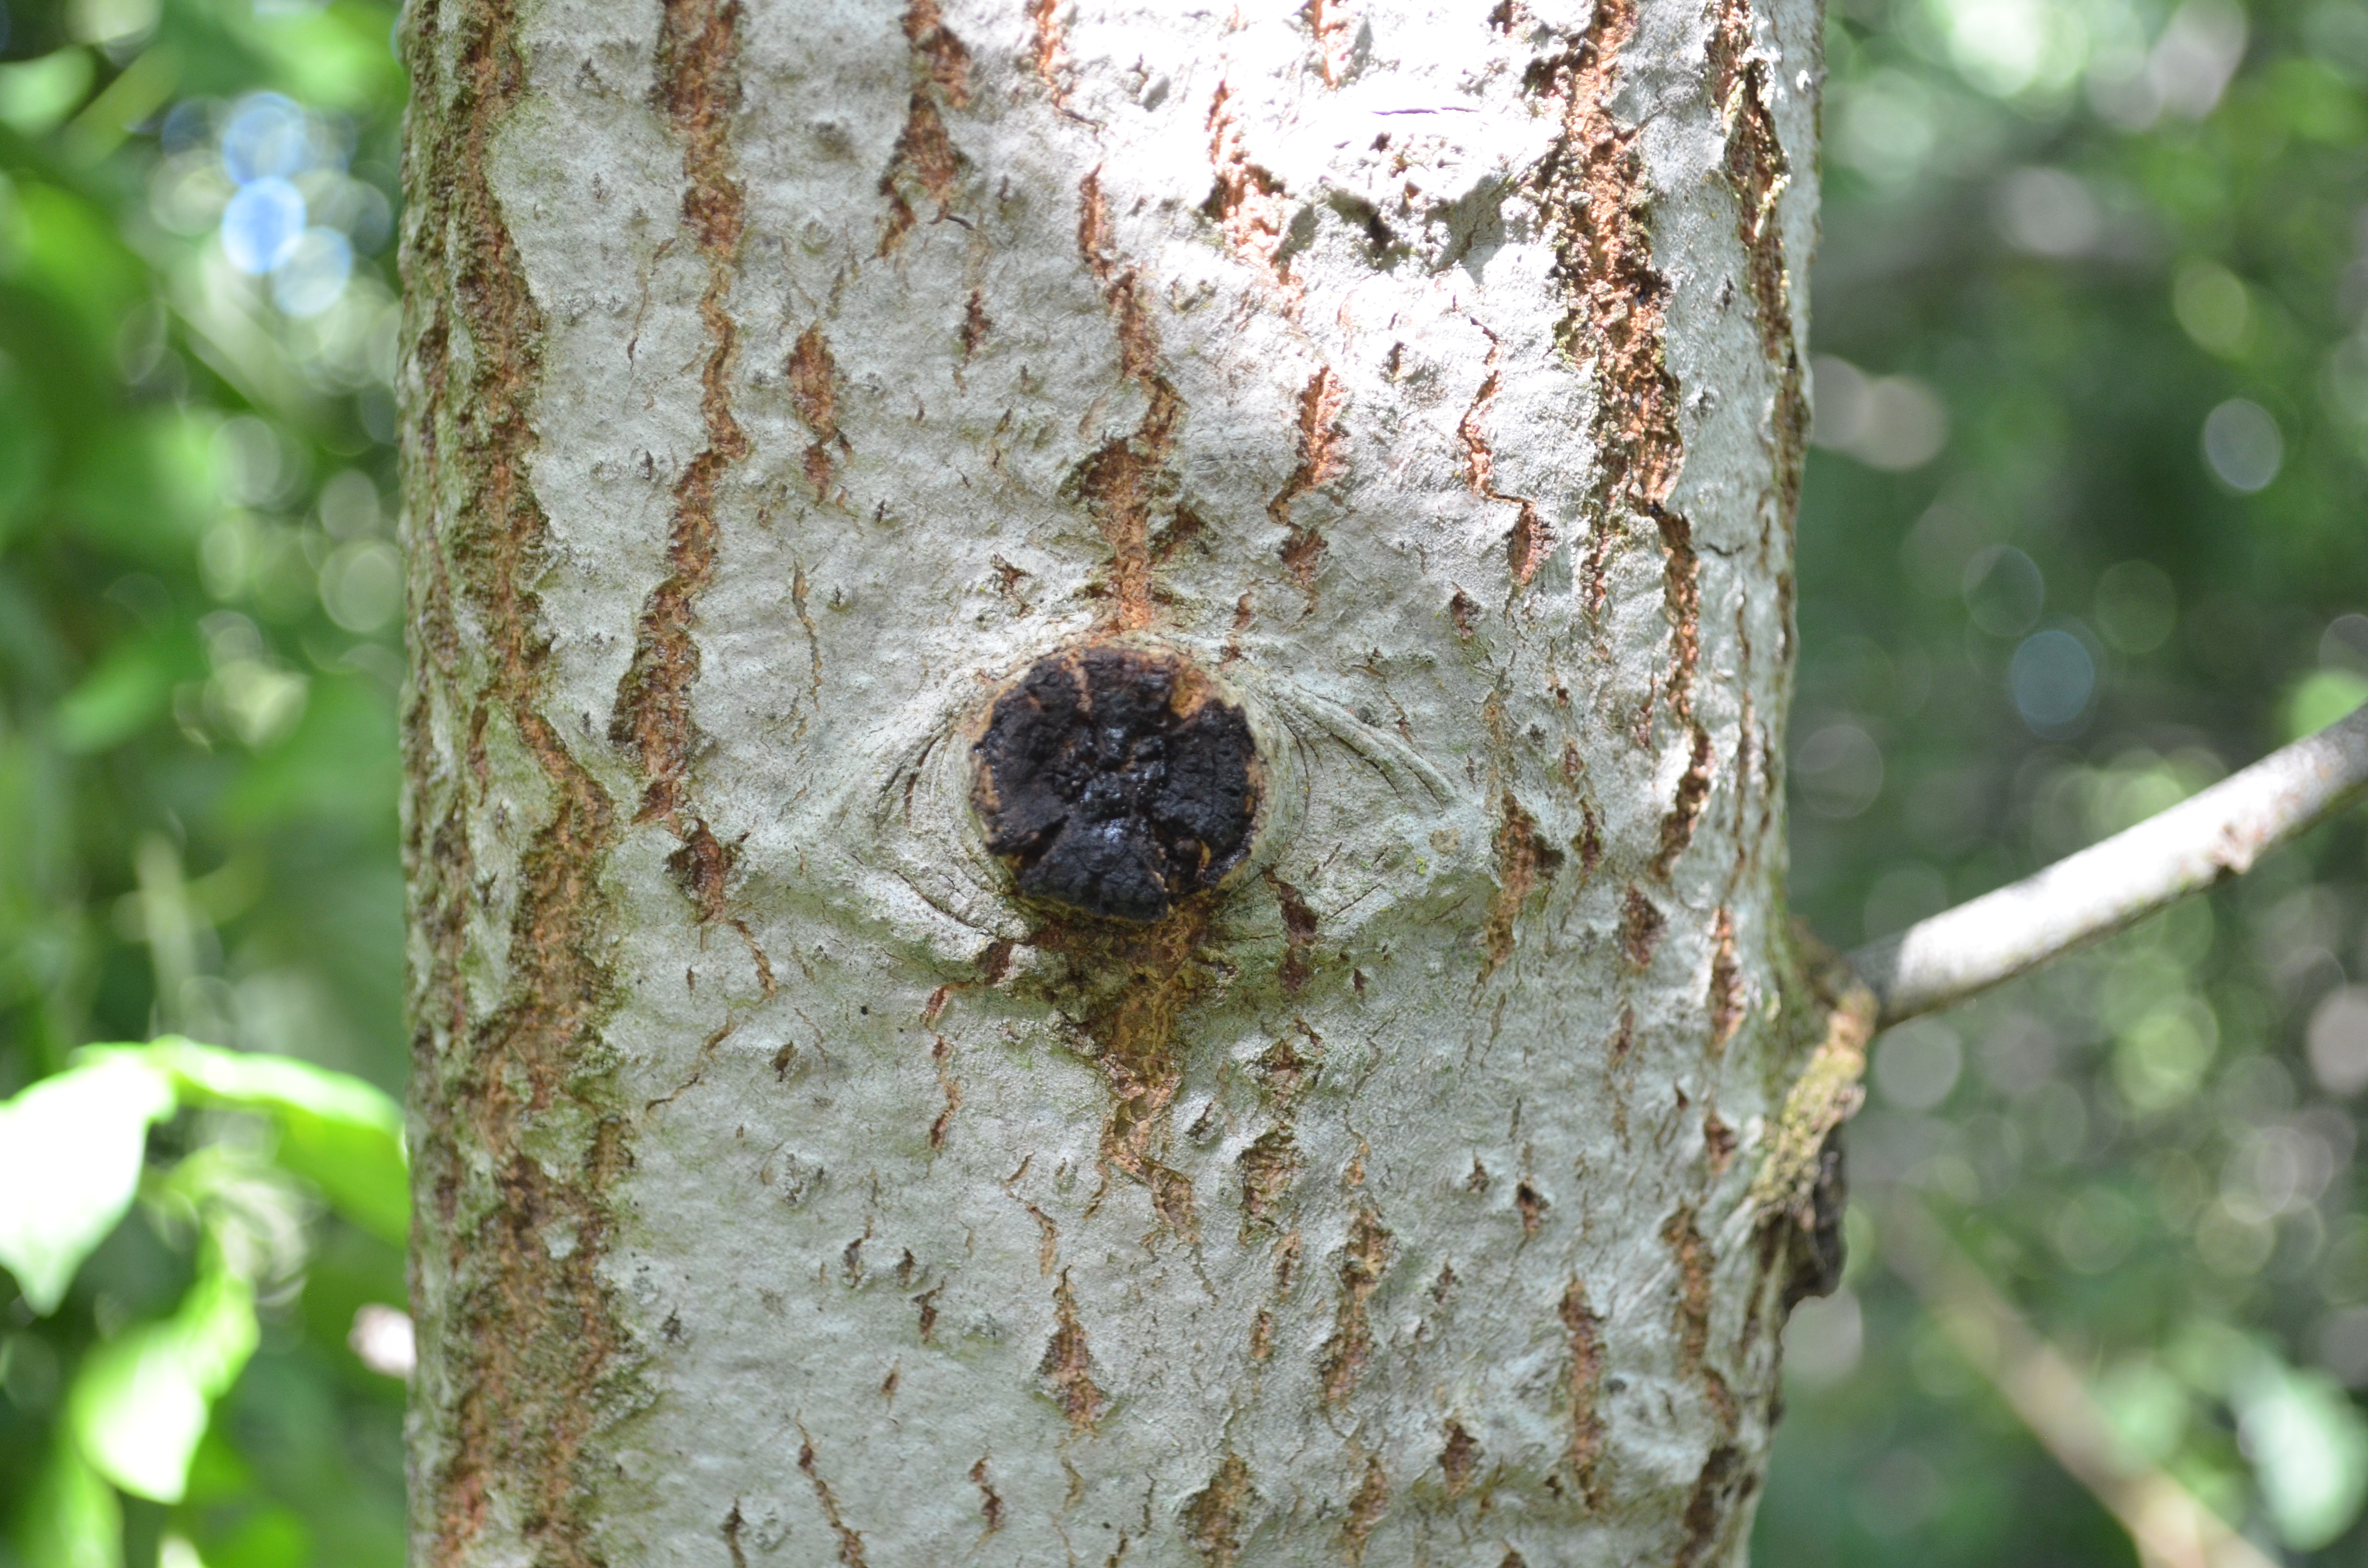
pixel 2168 1525
pixel 2206 839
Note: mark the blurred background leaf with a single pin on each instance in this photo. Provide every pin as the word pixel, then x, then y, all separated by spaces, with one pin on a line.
pixel 199 592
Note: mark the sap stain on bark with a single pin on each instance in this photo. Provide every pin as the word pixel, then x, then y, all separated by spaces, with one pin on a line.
pixel 1114 782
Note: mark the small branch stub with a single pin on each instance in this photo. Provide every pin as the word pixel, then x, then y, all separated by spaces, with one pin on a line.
pixel 1113 779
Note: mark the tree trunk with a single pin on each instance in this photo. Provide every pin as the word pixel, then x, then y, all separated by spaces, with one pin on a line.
pixel 821 1158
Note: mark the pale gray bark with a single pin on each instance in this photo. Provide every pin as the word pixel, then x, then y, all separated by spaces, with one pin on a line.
pixel 783 376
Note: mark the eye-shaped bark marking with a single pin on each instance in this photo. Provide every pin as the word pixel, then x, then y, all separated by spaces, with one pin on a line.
pixel 1115 780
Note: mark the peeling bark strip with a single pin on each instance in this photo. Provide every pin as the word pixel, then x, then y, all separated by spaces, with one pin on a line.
pixel 699 84
pixel 1592 193
pixel 1759 171
pixel 1246 202
pixel 520 1337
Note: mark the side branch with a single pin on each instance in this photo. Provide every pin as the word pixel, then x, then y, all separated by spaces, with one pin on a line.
pixel 2217 835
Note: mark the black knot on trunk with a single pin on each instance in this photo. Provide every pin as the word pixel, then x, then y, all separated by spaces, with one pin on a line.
pixel 1113 779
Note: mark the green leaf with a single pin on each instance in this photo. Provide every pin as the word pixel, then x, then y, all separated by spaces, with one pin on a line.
pixel 141 1401
pixel 70 1154
pixel 71 1519
pixel 340 1134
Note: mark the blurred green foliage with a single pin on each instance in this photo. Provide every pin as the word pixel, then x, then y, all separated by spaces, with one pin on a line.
pixel 2083 533
pixel 198 666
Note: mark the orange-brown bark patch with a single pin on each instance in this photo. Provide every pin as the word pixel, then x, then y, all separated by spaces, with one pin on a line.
pixel 1366 1507
pixel 1583 1329
pixel 1363 1262
pixel 1125 481
pixel 1246 202
pixel 699 86
pixel 1593 194
pixel 1049 50
pixel 945 57
pixel 813 393
pixel 1685 812
pixel 1641 926
pixel 1068 1364
pixel 1214 1514
pixel 1321 460
pixel 1726 998
pixel 1329 24
pixel 1523 864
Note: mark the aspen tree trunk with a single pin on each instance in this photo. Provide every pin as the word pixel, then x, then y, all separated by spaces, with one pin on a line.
pixel 819 1163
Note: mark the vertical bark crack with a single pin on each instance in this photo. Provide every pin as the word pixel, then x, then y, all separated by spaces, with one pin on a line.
pixel 1362 1261
pixel 1584 1329
pixel 1531 539
pixel 1121 483
pixel 1320 461
pixel 699 86
pixel 1068 1364
pixel 1592 195
pixel 850 1543
pixel 1759 171
pixel 1213 1516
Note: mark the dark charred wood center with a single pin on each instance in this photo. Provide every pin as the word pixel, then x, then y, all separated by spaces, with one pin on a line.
pixel 1113 779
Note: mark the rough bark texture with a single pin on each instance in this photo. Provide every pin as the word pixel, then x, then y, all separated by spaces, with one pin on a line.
pixel 784 380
